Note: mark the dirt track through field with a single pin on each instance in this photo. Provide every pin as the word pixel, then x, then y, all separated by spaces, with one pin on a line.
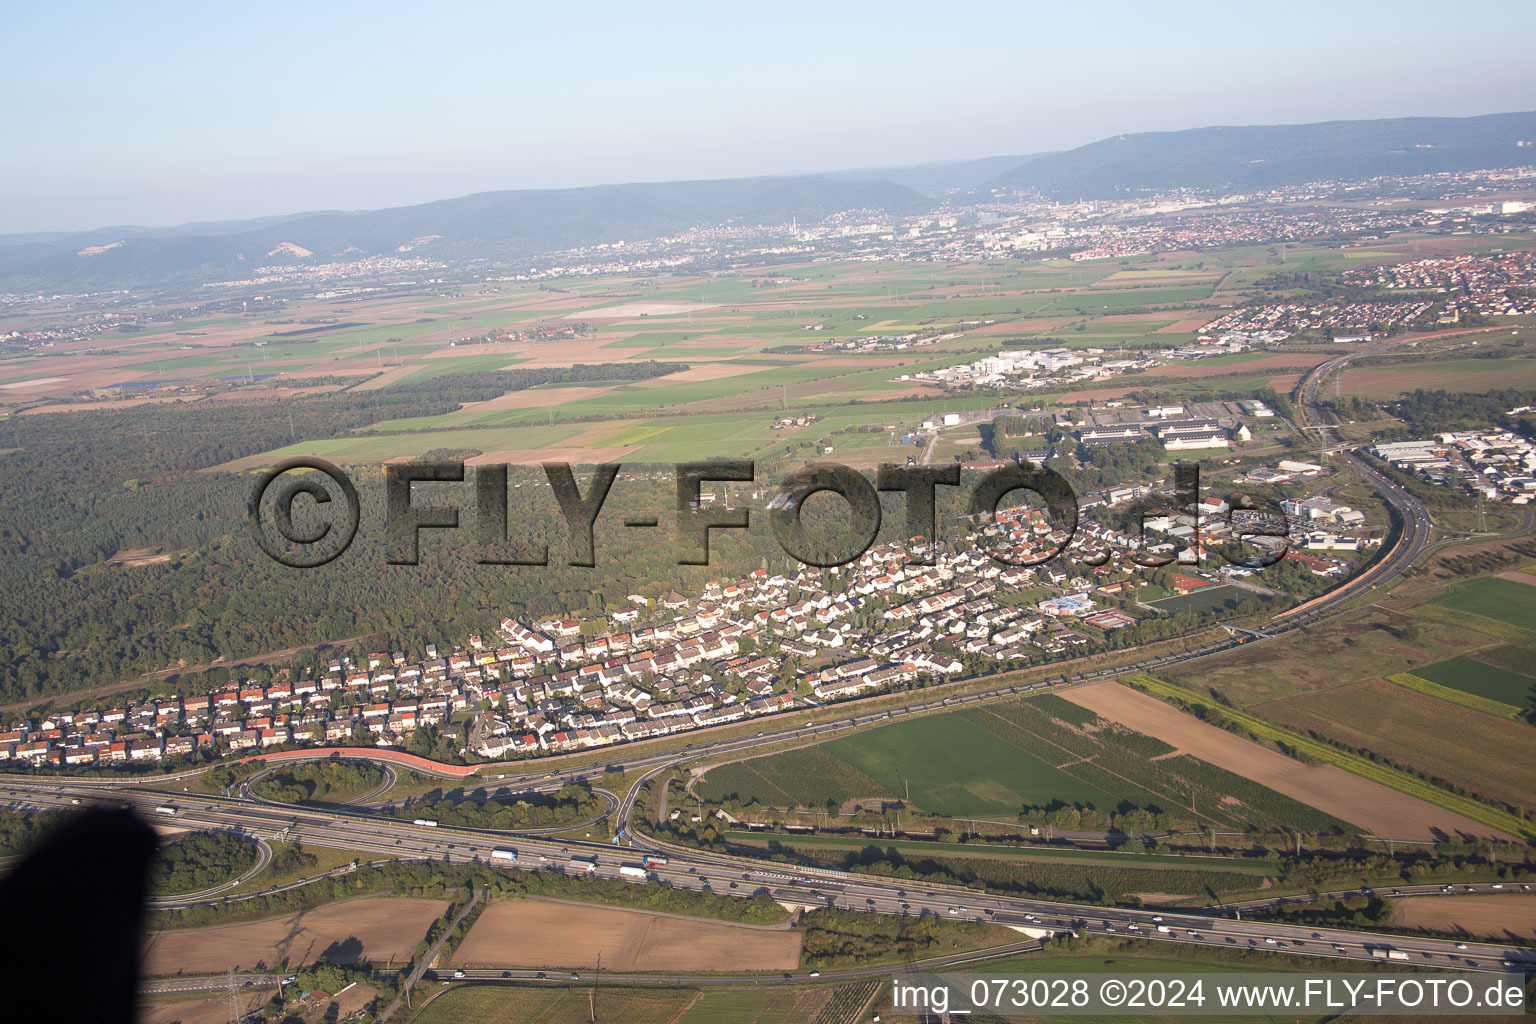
pixel 1378 809
pixel 536 933
pixel 383 928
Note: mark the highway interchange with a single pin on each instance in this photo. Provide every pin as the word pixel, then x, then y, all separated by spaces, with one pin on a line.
pixel 360 829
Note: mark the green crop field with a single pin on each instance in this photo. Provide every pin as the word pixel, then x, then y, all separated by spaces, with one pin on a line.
pixel 951 768
pixel 1503 600
pixel 1041 755
pixel 1483 680
pixel 553 1004
pixel 948 766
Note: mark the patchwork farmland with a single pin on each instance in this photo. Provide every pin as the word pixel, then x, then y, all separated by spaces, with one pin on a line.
pixel 1042 753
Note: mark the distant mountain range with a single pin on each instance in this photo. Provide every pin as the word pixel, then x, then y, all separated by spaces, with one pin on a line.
pixel 524 223
pixel 489 224
pixel 1270 156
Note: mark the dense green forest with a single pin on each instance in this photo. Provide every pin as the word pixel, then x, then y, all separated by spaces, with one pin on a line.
pixel 571 805
pixel 321 782
pixel 21 830
pixel 78 489
pixel 198 861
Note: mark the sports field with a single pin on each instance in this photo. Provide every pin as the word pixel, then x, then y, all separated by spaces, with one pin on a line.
pixel 1202 602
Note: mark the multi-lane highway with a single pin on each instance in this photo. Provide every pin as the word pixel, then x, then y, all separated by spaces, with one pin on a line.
pixel 360 829
pixel 741 877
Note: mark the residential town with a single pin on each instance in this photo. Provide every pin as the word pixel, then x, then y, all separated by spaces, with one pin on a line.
pixel 743 648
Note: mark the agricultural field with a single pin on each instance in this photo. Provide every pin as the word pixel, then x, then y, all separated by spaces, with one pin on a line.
pixel 1494 757
pixel 538 933
pixel 942 761
pixel 809 777
pixel 554 1004
pixel 194 1010
pixel 1379 810
pixel 779 1005
pixel 373 929
pixel 1492 598
pixel 742 339
pixel 1469 375
pixel 1502 918
pixel 1367 643
pixel 1042 754
pixel 1430 810
pixel 1471 674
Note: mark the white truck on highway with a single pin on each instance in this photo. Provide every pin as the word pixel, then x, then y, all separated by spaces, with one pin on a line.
pixel 504 855
pixel 634 871
pixel 428 822
pixel 165 809
pixel 1387 953
pixel 587 865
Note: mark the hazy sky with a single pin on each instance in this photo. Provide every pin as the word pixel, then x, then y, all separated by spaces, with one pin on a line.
pixel 161 114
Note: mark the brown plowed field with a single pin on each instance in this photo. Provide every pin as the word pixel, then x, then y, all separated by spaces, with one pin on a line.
pixel 535 933
pixel 1493 917
pixel 1489 755
pixel 1372 806
pixel 387 927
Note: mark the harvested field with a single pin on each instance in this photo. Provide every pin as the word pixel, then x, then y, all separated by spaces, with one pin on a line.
pixel 1453 375
pixel 1208 368
pixel 530 398
pixel 1376 808
pixel 1491 917
pixel 536 933
pixel 383 928
pixel 214 1010
pixel 709 371
pixel 1495 757
pixel 629 310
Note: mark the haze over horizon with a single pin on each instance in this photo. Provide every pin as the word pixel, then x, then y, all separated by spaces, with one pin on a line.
pixel 146 117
